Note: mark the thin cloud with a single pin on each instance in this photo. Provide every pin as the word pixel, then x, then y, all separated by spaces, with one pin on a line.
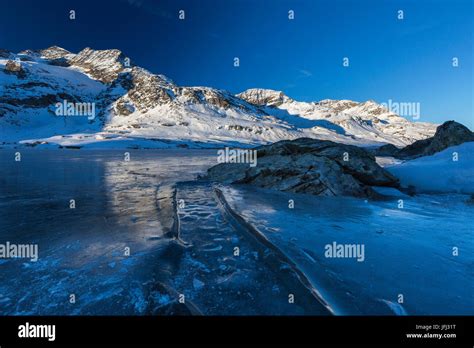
pixel 305 73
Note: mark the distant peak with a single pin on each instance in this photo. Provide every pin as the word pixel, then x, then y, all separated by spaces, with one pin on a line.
pixel 338 105
pixel 53 52
pixel 263 97
pixel 263 91
pixel 56 49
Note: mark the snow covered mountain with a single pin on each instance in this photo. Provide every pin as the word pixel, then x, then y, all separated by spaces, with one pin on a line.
pixel 134 107
pixel 368 120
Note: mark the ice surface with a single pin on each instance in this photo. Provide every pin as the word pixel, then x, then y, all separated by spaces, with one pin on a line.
pixel 190 249
pixel 82 250
pixel 408 251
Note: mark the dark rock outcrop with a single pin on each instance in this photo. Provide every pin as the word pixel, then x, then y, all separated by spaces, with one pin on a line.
pixel 311 166
pixel 386 150
pixel 449 134
pixel 41 101
pixel 60 62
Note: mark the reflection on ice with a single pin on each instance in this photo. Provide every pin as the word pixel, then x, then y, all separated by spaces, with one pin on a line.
pixel 83 251
pixel 127 248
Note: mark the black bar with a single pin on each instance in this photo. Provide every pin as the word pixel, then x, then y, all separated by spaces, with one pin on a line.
pixel 224 330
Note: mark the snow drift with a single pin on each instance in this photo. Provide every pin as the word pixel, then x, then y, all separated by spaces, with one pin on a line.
pixel 451 170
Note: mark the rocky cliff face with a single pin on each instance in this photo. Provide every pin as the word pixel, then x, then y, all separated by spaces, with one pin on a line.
pixel 146 91
pixel 309 166
pixel 102 65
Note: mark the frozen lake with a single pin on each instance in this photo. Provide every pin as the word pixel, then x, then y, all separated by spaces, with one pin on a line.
pixel 145 236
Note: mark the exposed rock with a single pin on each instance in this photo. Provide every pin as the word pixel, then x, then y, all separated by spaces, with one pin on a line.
pixel 54 55
pixel 29 55
pixel 449 134
pixel 103 65
pixel 60 62
pixel 386 150
pixel 309 166
pixel 54 52
pixel 263 97
pixel 337 105
pixel 46 100
pixel 124 108
pixel 147 90
pixel 217 98
pixel 15 68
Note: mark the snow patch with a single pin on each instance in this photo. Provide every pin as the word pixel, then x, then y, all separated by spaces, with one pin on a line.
pixel 440 172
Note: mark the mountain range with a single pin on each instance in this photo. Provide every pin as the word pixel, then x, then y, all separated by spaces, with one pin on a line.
pixel 136 108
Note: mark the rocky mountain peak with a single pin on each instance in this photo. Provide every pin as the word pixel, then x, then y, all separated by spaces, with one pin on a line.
pixel 54 52
pixel 453 129
pixel 263 97
pixel 147 91
pixel 103 65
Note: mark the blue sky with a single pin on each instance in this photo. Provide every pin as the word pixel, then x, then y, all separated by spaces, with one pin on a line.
pixel 407 60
